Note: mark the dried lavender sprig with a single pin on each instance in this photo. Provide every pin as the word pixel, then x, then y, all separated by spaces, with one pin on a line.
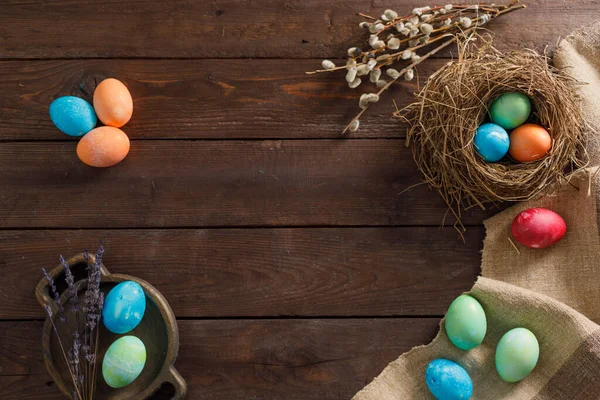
pixel 80 352
pixel 100 307
pixel 75 353
pixel 62 348
pixel 54 294
pixel 92 292
pixel 70 279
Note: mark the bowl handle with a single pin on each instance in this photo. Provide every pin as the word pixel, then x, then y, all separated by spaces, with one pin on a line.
pixel 42 290
pixel 174 378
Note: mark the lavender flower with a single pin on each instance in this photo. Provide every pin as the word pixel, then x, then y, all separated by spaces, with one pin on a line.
pixel 92 292
pixel 79 346
pixel 48 310
pixel 70 279
pixel 54 294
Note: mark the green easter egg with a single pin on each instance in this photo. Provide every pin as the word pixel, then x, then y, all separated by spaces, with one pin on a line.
pixel 124 361
pixel 466 323
pixel 517 354
pixel 510 110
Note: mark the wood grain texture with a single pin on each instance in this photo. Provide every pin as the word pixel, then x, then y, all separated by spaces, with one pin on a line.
pixel 262 272
pixel 247 359
pixel 202 99
pixel 214 183
pixel 237 28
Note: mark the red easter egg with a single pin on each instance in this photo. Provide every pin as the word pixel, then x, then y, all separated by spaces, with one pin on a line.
pixel 538 228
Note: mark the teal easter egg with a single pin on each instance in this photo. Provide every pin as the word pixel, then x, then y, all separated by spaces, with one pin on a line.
pixel 491 142
pixel 124 361
pixel 72 115
pixel 447 380
pixel 510 110
pixel 517 354
pixel 124 307
pixel 466 323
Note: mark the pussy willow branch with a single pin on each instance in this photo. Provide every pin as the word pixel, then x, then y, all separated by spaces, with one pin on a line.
pixel 402 72
pixel 422 28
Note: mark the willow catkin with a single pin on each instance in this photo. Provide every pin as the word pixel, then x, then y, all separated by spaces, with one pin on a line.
pixel 454 102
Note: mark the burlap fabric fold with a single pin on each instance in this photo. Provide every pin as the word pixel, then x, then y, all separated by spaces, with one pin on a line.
pixel 554 292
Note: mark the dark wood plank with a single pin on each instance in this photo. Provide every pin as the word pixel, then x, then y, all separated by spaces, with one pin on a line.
pixel 250 359
pixel 235 28
pixel 207 184
pixel 262 272
pixel 201 99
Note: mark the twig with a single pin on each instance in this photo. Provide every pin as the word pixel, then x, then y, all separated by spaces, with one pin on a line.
pixel 513 245
pixel 367 16
pixel 422 28
pixel 383 89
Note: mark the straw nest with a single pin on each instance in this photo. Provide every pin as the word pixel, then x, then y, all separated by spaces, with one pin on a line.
pixel 455 101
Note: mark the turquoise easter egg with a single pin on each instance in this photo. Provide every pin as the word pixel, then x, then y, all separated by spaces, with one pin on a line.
pixel 447 380
pixel 491 142
pixel 517 354
pixel 510 110
pixel 72 115
pixel 124 361
pixel 124 307
pixel 466 323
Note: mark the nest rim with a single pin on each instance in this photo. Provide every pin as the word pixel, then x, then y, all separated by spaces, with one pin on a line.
pixel 455 100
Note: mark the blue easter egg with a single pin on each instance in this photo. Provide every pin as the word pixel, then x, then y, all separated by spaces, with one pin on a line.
pixel 124 307
pixel 491 142
pixel 124 361
pixel 72 115
pixel 448 381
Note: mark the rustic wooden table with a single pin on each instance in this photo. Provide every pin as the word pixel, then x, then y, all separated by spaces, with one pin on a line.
pixel 294 264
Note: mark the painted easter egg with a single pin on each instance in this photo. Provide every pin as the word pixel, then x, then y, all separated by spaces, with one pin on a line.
pixel 517 354
pixel 104 146
pixel 510 110
pixel 529 142
pixel 448 381
pixel 538 228
pixel 124 307
pixel 465 323
pixel 113 103
pixel 72 115
pixel 124 361
pixel 491 142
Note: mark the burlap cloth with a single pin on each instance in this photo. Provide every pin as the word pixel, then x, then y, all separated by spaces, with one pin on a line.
pixel 554 292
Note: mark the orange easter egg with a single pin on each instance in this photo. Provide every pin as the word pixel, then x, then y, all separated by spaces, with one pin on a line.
pixel 103 147
pixel 529 142
pixel 113 103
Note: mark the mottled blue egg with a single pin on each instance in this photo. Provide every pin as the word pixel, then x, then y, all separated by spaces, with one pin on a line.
pixel 124 307
pixel 72 115
pixel 124 361
pixel 448 381
pixel 491 142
